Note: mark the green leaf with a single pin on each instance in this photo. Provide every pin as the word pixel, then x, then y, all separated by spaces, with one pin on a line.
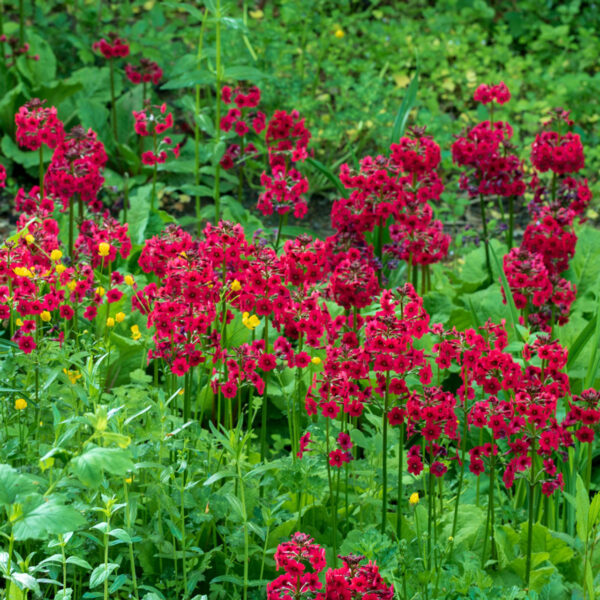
pixel 582 339
pixel 49 517
pixel 90 466
pixel 101 573
pixel 245 73
pixel 76 560
pixel 13 484
pixel 407 105
pixel 328 174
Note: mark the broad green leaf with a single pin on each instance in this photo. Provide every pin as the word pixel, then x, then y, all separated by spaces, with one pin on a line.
pixel 90 466
pixel 49 517
pixel 101 573
pixel 13 484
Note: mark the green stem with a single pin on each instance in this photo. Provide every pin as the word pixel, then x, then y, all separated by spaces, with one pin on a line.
pixel 400 501
pixel 588 468
pixel 384 424
pixel 154 170
pixel 113 105
pixel 217 193
pixel 41 172
pixel 530 523
pixel 485 237
pixel 196 126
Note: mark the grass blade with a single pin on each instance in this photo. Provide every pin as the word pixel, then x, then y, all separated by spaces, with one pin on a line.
pixel 317 164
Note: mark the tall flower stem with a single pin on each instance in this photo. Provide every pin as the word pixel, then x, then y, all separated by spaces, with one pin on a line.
pixel 463 451
pixel 263 409
pixel 41 172
pixel 153 198
pixel 217 191
pixel 384 424
pixel 279 228
pixel 530 522
pixel 71 225
pixel 196 126
pixel 485 237
pixel 399 502
pixel 113 105
pixel 511 221
pixel 588 468
pixel 333 498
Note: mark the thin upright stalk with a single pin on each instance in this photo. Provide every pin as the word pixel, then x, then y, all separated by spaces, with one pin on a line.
pixel 41 172
pixel 113 105
pixel 384 424
pixel 530 522
pixel 399 502
pixel 154 171
pixel 217 191
pixel 485 237
pixel 196 126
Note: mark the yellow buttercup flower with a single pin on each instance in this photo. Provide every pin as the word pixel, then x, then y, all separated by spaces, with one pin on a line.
pixel 414 498
pixel 120 317
pixel 135 332
pixel 315 360
pixel 72 284
pixel 46 316
pixel 19 322
pixel 20 404
pixel 110 322
pixel 128 279
pixel 100 291
pixel 339 33
pixel 235 286
pixel 251 322
pixel 29 238
pixel 60 269
pixel 103 249
pixel 72 375
pixel 55 255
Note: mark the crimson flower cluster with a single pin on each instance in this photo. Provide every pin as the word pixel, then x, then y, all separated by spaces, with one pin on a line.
pixel 38 125
pixel 242 119
pixel 155 121
pixel 498 93
pixel 302 561
pixel 114 47
pixel 145 72
pixel 534 269
pixel 76 168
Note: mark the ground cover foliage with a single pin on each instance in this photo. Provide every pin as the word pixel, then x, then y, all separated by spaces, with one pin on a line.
pixel 299 303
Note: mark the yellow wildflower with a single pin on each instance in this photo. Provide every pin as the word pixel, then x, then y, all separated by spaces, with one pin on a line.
pixel 29 238
pixel 72 375
pixel 55 255
pixel 110 322
pixel 60 269
pixel 103 249
pixel 135 332
pixel 45 316
pixel 414 498
pixel 315 360
pixel 128 279
pixel 100 291
pixel 339 33
pixel 251 322
pixel 120 317
pixel 235 286
pixel 20 404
